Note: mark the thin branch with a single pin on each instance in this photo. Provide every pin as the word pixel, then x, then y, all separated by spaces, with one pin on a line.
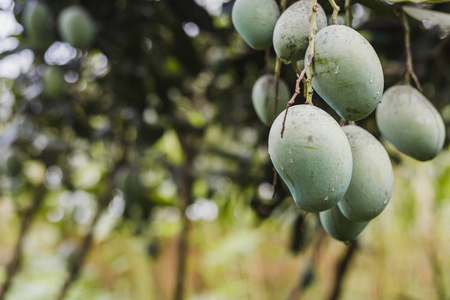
pixel 348 12
pixel 312 34
pixel 15 263
pixel 336 10
pixel 409 63
pixel 297 92
pixel 341 269
pixel 78 261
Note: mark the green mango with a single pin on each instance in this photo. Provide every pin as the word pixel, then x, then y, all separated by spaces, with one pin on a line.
pixel 410 122
pixel 263 98
pixel 339 227
pixel 291 33
pixel 347 72
pixel 54 83
pixel 372 180
pixel 313 158
pixel 254 20
pixel 76 27
pixel 36 18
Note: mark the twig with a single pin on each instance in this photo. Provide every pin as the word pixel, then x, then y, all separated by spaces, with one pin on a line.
pixel 297 92
pixel 78 261
pixel 336 10
pixel 308 66
pixel 348 12
pixel 15 263
pixel 341 269
pixel 409 63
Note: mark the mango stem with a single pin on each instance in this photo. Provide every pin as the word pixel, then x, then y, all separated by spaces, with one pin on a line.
pixel 348 13
pixel 409 63
pixel 336 10
pixel 308 66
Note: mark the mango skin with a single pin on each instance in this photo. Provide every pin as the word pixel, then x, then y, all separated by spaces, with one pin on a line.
pixel 36 19
pixel 54 83
pixel 263 98
pixel 347 72
pixel 76 27
pixel 255 20
pixel 339 227
pixel 410 122
pixel 291 33
pixel 372 180
pixel 313 158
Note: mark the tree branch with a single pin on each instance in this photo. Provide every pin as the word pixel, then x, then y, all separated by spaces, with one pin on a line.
pixel 82 251
pixel 185 191
pixel 15 263
pixel 303 280
pixel 341 269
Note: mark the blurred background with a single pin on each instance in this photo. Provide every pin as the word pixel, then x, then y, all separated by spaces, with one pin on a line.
pixel 134 167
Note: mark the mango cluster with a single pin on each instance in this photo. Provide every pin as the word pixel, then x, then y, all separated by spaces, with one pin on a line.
pixel 342 173
pixel 75 27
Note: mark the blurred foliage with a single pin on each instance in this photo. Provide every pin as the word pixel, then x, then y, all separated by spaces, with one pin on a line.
pixel 166 85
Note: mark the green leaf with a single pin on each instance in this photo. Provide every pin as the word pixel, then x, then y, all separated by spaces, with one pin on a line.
pixel 435 17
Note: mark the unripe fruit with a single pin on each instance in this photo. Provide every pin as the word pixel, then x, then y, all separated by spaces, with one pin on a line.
pixel 263 98
pixel 54 83
pixel 36 17
pixel 339 227
pixel 76 26
pixel 410 122
pixel 313 158
pixel 254 20
pixel 347 72
pixel 372 180
pixel 291 33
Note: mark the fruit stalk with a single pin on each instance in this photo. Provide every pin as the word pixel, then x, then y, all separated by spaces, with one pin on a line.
pixel 409 63
pixel 348 13
pixel 312 35
pixel 336 10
